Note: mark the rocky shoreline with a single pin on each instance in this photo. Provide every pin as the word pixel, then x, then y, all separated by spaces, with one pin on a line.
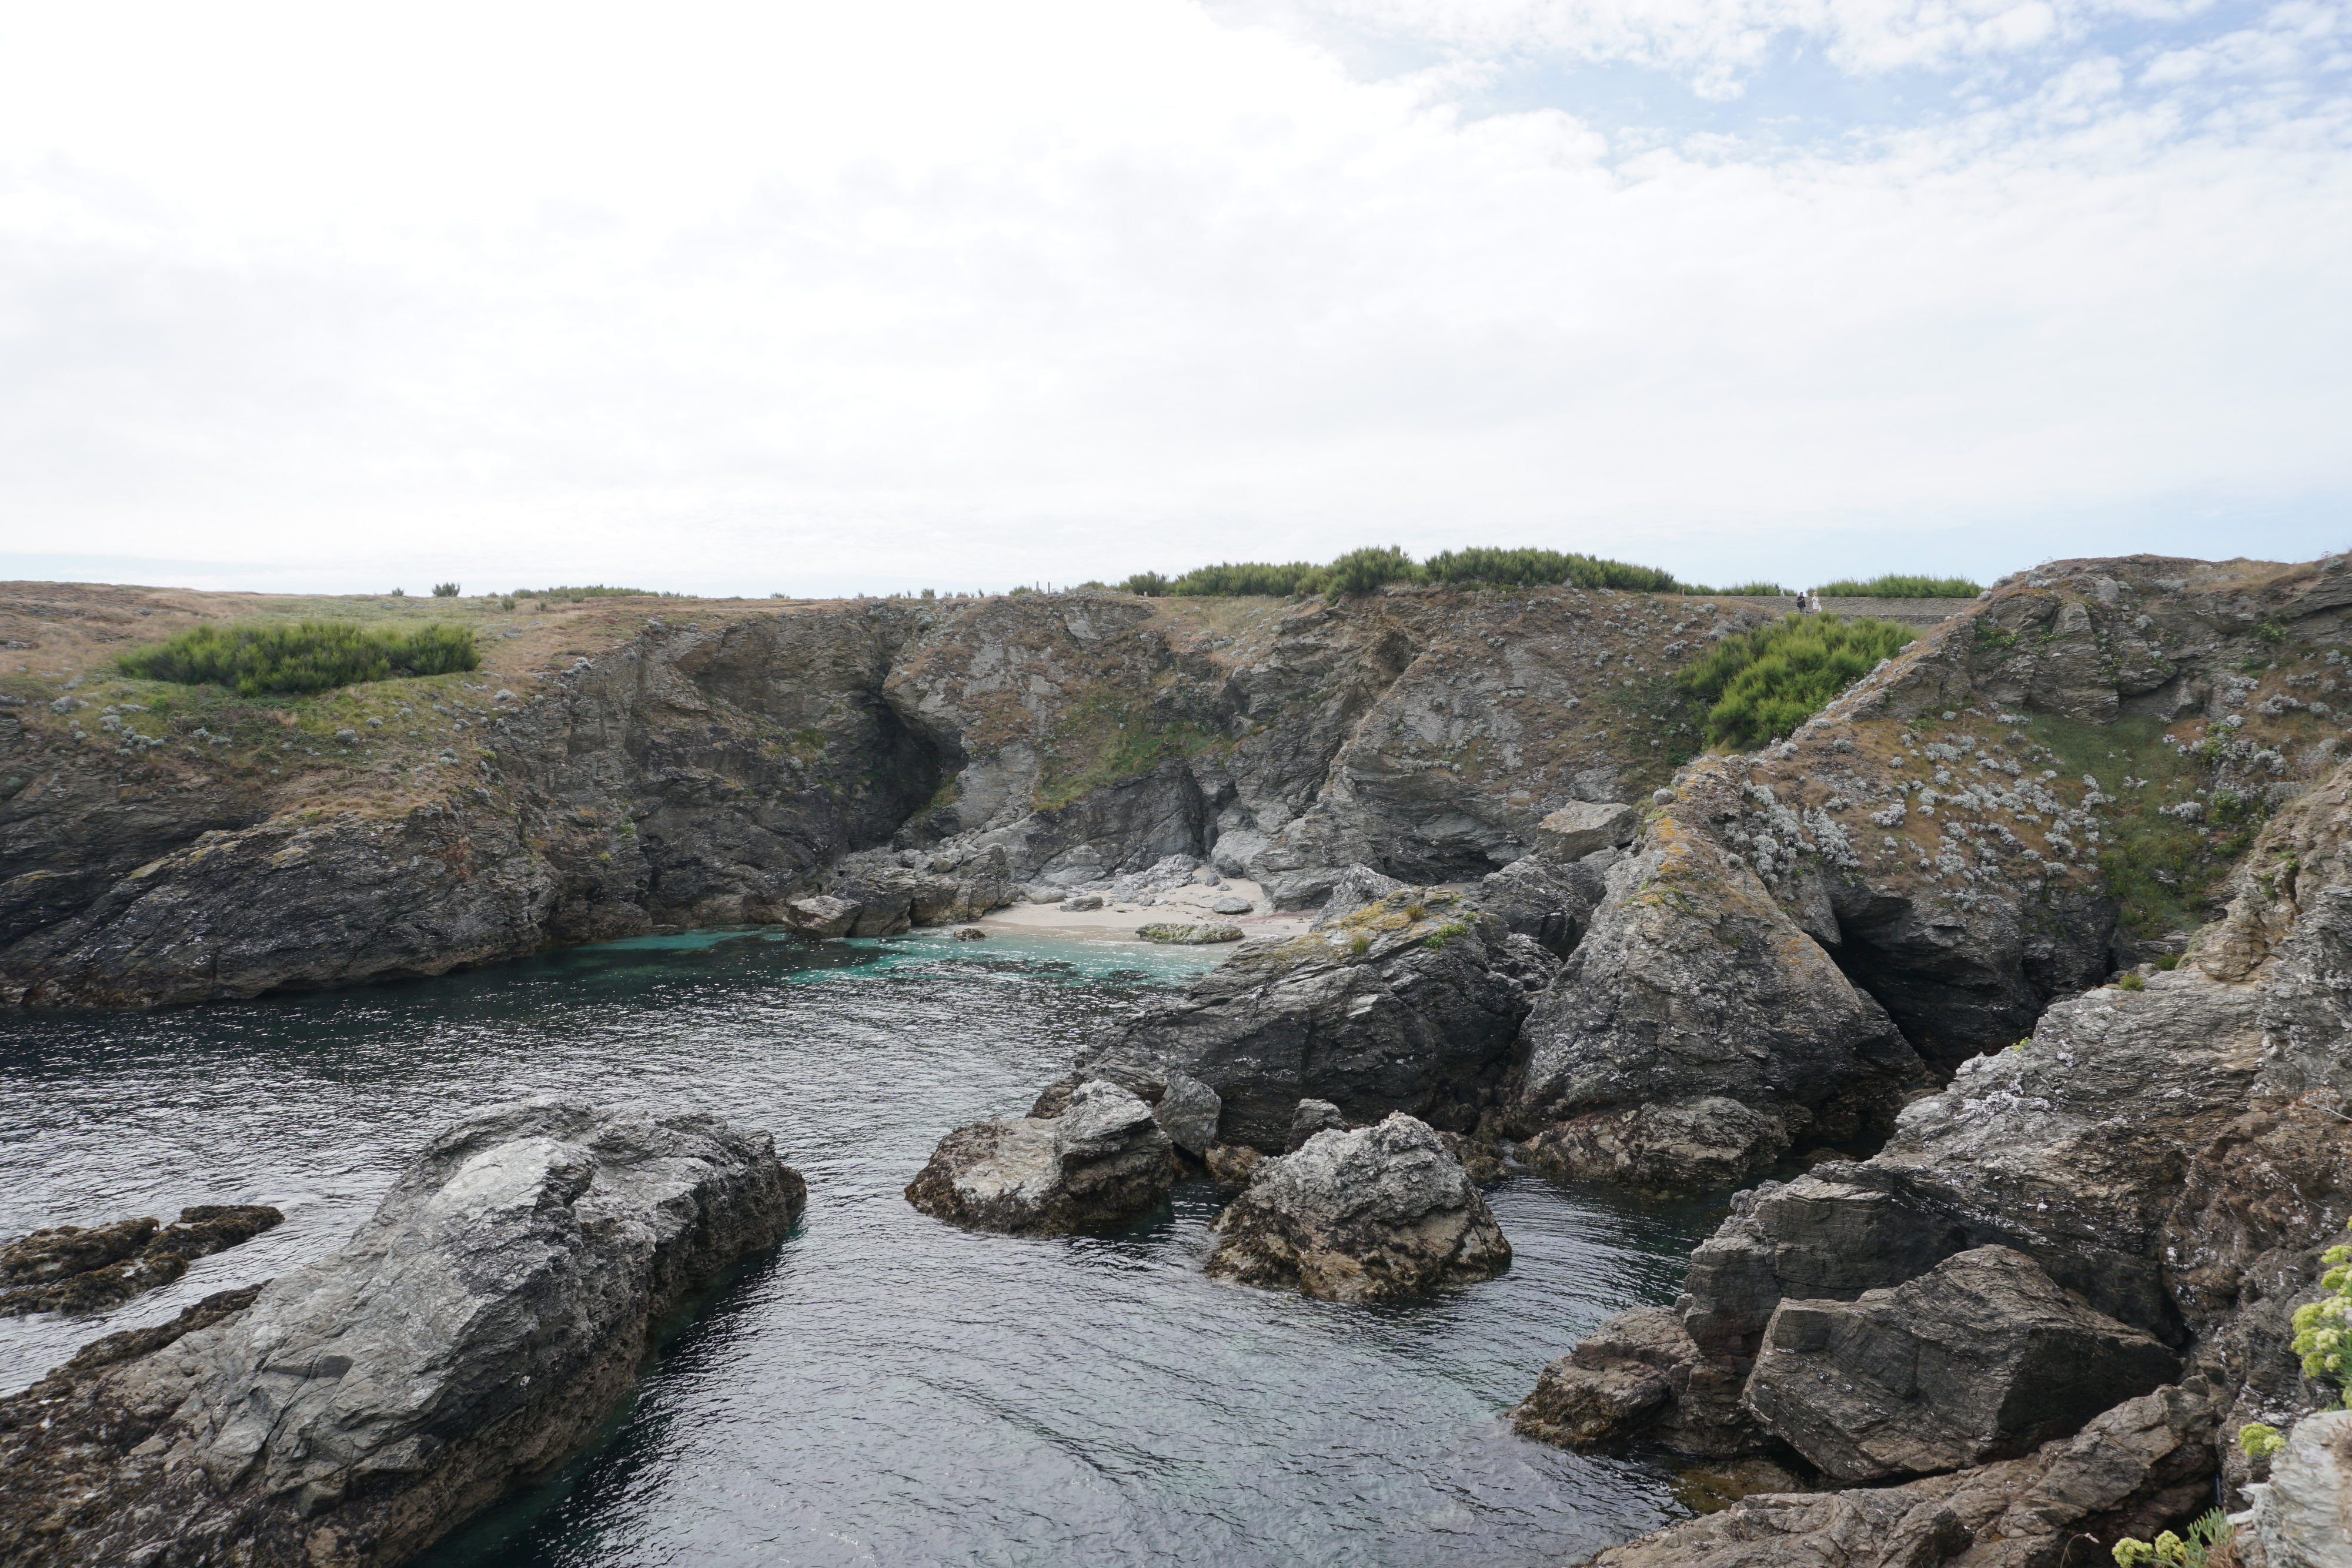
pixel 468 1340
pixel 2054 1124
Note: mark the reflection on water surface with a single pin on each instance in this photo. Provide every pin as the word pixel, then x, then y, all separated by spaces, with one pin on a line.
pixel 884 1389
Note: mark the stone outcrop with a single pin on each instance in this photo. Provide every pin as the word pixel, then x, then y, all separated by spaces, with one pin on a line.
pixel 1410 1003
pixel 67 1268
pixel 2134 1470
pixel 1190 936
pixel 472 1334
pixel 2173 1158
pixel 1372 1215
pixel 1696 1033
pixel 2303 1515
pixel 1103 1157
pixel 1980 1358
pixel 1581 828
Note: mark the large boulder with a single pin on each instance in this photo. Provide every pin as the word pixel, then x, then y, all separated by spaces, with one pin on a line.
pixel 1692 986
pixel 1408 1004
pixel 1980 1358
pixel 1639 1374
pixel 1580 827
pixel 468 1338
pixel 1371 1215
pixel 1548 900
pixel 1104 1157
pixel 2141 1467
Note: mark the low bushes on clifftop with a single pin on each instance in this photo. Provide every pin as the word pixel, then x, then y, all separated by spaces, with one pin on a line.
pixel 1896 585
pixel 307 656
pixel 1363 570
pixel 1765 682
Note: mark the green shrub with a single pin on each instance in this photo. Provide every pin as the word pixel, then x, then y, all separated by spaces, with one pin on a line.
pixel 1766 683
pixel 1544 568
pixel 444 590
pixel 1894 585
pixel 306 656
pixel 592 590
pixel 1366 570
pixel 2323 1329
pixel 2131 983
pixel 2271 631
pixel 1748 591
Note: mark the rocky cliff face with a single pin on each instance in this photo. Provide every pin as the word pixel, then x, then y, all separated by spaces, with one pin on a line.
pixel 2036 792
pixel 710 766
pixel 2172 1158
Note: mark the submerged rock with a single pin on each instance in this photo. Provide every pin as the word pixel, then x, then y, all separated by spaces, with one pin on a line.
pixel 1980 1358
pixel 1103 1157
pixel 75 1270
pixel 472 1334
pixel 1367 1216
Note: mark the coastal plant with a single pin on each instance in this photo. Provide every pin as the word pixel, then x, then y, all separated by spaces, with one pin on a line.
pixel 1896 585
pixel 2204 1547
pixel 1444 934
pixel 1748 591
pixel 444 590
pixel 305 656
pixel 2323 1329
pixel 1364 570
pixel 1763 684
pixel 1544 568
pixel 2130 983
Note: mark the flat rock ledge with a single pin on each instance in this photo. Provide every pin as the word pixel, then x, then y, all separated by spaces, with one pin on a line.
pixel 73 1269
pixel 1102 1157
pixel 466 1341
pixel 1372 1215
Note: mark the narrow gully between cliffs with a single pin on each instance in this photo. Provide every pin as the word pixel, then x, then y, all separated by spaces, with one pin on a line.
pixel 884 1388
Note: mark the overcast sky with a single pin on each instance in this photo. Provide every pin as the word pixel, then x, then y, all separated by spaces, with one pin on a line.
pixel 881 295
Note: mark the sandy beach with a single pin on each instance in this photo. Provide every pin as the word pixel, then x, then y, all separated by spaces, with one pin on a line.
pixel 1184 906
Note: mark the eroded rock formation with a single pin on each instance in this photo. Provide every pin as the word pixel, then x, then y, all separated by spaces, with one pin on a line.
pixel 68 1269
pixel 1103 1156
pixel 1372 1215
pixel 467 1339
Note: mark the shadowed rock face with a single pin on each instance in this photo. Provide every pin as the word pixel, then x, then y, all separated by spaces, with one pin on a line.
pixel 1384 1010
pixel 1980 1358
pixel 468 1338
pixel 1374 1215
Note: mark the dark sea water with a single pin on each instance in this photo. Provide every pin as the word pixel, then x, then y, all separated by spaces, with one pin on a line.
pixel 883 1388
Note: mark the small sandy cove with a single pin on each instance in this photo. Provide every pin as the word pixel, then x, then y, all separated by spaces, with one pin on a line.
pixel 1184 906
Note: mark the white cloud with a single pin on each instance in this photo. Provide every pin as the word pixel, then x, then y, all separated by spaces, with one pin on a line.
pixel 904 293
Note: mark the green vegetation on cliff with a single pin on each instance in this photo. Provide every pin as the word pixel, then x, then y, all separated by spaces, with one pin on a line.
pixel 1894 585
pixel 1763 684
pixel 306 656
pixel 1363 570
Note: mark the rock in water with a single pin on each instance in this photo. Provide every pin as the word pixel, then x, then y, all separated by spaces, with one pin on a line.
pixel 75 1270
pixel 1191 936
pixel 1104 1157
pixel 1980 1358
pixel 1366 1215
pixel 468 1340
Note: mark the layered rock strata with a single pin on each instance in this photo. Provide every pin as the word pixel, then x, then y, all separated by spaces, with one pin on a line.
pixel 1380 1213
pixel 472 1334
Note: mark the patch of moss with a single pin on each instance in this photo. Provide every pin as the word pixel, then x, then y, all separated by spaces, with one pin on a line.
pixel 1108 736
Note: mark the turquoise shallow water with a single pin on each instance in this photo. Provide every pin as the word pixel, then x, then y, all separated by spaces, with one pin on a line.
pixel 883 1388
